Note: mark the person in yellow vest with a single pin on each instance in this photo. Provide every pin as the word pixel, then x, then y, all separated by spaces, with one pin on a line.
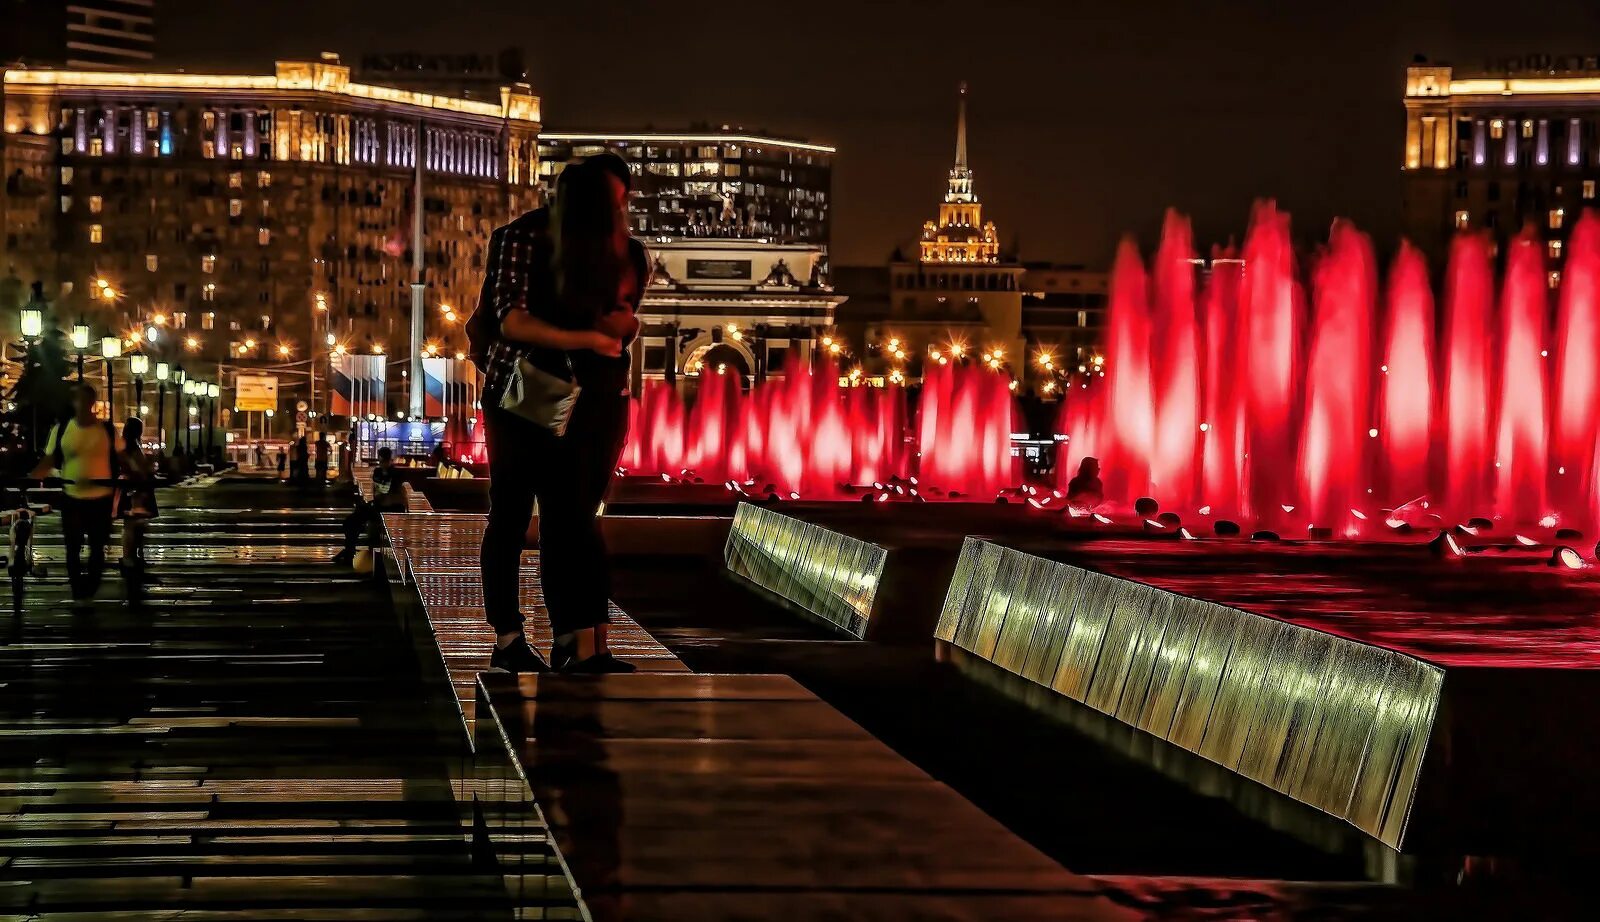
pixel 82 449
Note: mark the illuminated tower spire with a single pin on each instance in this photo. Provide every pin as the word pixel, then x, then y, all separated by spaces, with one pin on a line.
pixel 960 234
pixel 960 175
pixel 961 127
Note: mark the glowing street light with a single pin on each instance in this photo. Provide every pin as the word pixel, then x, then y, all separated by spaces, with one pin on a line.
pixel 80 336
pixel 284 350
pixel 192 344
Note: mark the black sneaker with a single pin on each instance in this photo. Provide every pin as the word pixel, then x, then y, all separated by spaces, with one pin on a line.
pixel 517 657
pixel 598 664
pixel 344 558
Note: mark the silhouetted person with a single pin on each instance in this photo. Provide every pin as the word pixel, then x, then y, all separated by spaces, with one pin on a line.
pixel 283 462
pixel 322 459
pixel 386 497
pixel 83 449
pixel 1085 491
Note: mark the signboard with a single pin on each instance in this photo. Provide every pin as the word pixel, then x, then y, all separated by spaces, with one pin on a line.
pixel 718 268
pixel 254 393
pixel 358 385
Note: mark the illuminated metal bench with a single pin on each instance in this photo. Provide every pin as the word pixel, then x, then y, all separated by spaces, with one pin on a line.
pixel 1334 723
pixel 829 575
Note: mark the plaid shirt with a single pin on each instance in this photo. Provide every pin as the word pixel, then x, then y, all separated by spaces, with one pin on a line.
pixel 508 286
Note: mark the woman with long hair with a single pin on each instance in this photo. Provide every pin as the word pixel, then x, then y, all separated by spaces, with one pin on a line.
pixel 138 503
pixel 564 287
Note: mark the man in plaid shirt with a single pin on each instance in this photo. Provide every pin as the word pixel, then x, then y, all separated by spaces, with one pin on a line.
pixel 506 287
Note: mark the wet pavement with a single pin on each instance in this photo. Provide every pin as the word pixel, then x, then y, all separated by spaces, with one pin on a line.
pixel 250 740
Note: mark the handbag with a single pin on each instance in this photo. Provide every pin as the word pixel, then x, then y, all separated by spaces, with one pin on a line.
pixel 539 396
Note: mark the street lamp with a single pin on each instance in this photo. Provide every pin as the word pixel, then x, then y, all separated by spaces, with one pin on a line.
pixel 32 323
pixel 139 364
pixel 188 420
pixel 80 343
pixel 163 372
pixel 212 393
pixel 110 349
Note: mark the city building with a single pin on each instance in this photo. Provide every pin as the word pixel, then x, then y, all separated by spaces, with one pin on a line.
pixel 1516 142
pixel 960 293
pixel 960 235
pixel 257 222
pixel 737 226
pixel 469 75
pixel 963 297
pixel 754 308
pixel 80 34
pixel 703 183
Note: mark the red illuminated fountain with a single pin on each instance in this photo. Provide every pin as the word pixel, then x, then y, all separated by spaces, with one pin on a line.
pixel 1304 397
pixel 810 433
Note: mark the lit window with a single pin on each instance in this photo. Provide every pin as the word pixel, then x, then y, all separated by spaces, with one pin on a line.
pixel 209 318
pixel 66 176
pixel 1588 188
pixel 263 236
pixel 96 233
pixel 66 145
pixel 235 180
pixel 152 262
pixel 263 179
pixel 235 207
pixel 180 320
pixel 95 204
pixel 1083 318
pixel 237 152
pixel 208 263
pixel 1462 219
pixel 66 204
pixel 1555 278
pixel 152 120
pixel 208 149
pixel 1527 128
pixel 97 147
pixel 1555 249
pixel 209 293
pixel 209 119
pixel 1497 129
pixel 1557 215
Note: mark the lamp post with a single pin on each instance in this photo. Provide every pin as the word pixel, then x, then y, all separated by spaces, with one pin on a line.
pixel 80 343
pixel 213 391
pixel 110 350
pixel 32 328
pixel 178 419
pixel 139 365
pixel 163 371
pixel 188 416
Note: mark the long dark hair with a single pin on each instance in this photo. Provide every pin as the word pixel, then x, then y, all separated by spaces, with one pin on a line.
pixel 591 242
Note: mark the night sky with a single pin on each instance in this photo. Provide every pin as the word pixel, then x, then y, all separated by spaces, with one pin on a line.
pixel 1088 119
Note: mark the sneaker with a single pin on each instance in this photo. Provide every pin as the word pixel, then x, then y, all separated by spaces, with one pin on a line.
pixel 598 664
pixel 344 558
pixel 517 657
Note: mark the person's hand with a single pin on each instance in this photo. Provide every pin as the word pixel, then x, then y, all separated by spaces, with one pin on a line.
pixel 601 344
pixel 622 324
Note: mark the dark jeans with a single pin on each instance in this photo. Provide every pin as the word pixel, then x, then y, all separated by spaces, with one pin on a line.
pixel 363 520
pixel 569 477
pixel 86 520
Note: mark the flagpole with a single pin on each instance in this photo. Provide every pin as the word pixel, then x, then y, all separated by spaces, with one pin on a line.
pixel 415 373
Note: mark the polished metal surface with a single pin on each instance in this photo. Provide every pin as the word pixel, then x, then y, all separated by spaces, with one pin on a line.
pixel 829 574
pixel 1335 723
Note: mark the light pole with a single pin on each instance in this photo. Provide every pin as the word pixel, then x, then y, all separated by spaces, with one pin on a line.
pixel 80 343
pixel 179 377
pixel 163 371
pixel 213 391
pixel 32 328
pixel 189 417
pixel 110 350
pixel 139 365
